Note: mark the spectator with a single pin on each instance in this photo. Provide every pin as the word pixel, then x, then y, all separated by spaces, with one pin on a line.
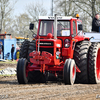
pixel 1 49
pixel 12 51
pixel 96 23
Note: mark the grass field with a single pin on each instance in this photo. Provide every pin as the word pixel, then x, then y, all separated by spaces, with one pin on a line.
pixel 8 62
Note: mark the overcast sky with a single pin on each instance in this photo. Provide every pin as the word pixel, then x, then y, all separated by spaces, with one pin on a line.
pixel 20 6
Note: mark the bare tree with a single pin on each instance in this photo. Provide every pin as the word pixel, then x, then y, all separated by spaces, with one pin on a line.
pixel 86 9
pixel 91 7
pixel 36 10
pixel 64 7
pixel 5 15
pixel 21 26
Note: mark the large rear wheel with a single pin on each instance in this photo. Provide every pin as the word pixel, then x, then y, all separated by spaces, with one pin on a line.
pixel 94 63
pixel 24 49
pixel 69 71
pixel 32 47
pixel 80 57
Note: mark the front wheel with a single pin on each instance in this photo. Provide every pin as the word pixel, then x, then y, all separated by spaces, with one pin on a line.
pixel 69 72
pixel 22 73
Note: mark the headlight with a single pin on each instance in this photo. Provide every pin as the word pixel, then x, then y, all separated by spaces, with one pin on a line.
pixel 67 43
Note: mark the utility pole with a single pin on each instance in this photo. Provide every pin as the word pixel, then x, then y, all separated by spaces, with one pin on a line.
pixel 52 9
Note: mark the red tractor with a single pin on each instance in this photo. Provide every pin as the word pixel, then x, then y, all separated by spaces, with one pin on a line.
pixel 60 49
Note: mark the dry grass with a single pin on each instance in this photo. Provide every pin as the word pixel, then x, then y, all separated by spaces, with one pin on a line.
pixel 8 62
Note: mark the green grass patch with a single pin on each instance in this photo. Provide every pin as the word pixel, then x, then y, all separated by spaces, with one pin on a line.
pixel 8 62
pixel 8 75
pixel 1 69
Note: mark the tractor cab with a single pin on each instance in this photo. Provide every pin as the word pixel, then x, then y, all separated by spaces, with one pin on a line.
pixel 64 26
pixel 47 26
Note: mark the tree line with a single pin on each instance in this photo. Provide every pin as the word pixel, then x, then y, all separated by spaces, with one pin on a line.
pixel 19 25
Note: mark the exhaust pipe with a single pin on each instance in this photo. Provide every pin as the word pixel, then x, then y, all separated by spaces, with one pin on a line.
pixel 55 26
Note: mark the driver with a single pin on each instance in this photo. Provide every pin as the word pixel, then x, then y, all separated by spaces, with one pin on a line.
pixel 59 29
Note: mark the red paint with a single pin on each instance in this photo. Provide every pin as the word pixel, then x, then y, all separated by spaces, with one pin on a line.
pixel 98 65
pixel 73 72
pixel 78 70
pixel 36 58
pixel 49 36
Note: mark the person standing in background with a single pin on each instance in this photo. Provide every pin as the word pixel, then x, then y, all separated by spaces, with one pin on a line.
pixel 96 23
pixel 1 49
pixel 12 51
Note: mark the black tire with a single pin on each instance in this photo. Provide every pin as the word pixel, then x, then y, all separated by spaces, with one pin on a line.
pixel 24 49
pixel 69 72
pixel 21 71
pixel 94 63
pixel 32 47
pixel 80 57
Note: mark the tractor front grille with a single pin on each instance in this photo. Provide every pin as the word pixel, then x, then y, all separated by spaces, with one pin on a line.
pixel 50 50
pixel 44 46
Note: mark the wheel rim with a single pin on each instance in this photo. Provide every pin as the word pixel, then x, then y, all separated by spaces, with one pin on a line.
pixel 73 72
pixel 98 65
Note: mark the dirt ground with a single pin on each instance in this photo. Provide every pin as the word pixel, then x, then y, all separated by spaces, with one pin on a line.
pixel 11 90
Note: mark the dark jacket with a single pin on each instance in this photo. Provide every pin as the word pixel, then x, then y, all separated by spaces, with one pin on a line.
pixel 95 25
pixel 12 49
pixel 1 47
